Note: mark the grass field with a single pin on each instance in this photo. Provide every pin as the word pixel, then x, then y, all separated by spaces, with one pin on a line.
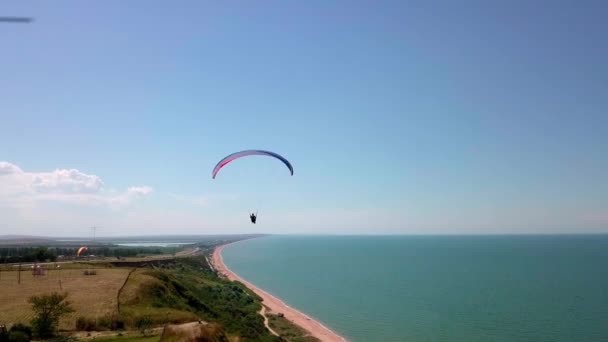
pixel 92 296
pixel 182 291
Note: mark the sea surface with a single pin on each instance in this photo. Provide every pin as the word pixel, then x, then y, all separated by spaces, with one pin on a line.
pixel 430 288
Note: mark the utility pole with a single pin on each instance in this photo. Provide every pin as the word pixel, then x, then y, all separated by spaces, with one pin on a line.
pixel 58 267
pixel 94 228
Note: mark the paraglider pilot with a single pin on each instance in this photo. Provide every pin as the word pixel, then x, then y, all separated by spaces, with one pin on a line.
pixel 253 217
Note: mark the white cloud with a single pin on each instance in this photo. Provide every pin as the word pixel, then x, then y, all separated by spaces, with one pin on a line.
pixel 139 190
pixel 66 181
pixel 19 189
pixel 7 168
pixel 132 194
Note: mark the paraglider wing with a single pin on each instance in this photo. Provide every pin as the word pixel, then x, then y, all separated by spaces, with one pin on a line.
pixel 81 250
pixel 246 153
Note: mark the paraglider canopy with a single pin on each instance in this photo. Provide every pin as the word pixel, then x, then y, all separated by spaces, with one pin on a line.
pixel 247 153
pixel 81 250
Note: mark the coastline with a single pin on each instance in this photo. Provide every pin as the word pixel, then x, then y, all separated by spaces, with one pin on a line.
pixel 312 326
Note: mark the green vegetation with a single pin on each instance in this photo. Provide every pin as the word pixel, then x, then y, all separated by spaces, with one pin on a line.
pixel 190 288
pixel 110 322
pixel 17 333
pixel 118 251
pixel 288 330
pixel 45 254
pixel 144 324
pixel 27 254
pixel 48 309
pixel 134 295
pixel 31 249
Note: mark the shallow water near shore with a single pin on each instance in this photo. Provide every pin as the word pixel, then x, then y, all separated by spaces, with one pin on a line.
pixel 437 288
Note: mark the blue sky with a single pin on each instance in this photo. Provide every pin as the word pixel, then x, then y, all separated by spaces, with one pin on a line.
pixel 399 117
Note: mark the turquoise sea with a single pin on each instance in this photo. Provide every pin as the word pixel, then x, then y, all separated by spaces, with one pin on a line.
pixel 438 288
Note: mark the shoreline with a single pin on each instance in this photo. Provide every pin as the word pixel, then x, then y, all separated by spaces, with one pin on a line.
pixel 312 326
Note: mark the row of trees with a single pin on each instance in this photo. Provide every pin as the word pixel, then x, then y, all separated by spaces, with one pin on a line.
pixel 41 254
pixel 27 254
pixel 110 251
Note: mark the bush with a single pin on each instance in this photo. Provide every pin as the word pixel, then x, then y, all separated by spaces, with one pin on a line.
pixel 117 324
pixel 20 329
pixel 18 336
pixel 17 333
pixel 103 323
pixel 111 323
pixel 85 324
pixel 143 324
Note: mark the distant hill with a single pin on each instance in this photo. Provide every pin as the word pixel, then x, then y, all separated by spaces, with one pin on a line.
pixel 23 239
pixel 15 239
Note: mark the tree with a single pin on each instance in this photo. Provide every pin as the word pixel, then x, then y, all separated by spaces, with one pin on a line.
pixel 48 309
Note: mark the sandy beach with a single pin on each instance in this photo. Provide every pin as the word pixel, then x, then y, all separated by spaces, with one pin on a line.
pixel 276 305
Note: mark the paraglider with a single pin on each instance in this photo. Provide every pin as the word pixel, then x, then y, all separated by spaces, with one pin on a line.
pixel 247 153
pixel 81 250
pixel 253 217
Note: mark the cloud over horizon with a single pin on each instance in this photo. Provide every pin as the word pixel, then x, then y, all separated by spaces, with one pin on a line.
pixel 66 181
pixel 7 168
pixel 19 188
pixel 63 201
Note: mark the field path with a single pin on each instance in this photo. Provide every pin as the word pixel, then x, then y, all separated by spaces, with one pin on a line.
pixel 263 313
pixel 120 290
